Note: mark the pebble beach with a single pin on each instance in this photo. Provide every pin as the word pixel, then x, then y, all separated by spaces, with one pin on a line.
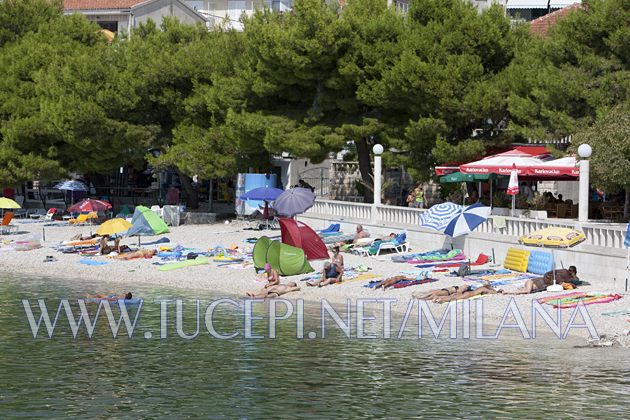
pixel 215 279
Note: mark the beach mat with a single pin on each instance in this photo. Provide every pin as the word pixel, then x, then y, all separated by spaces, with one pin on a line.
pixel 88 261
pixel 571 300
pixel 183 264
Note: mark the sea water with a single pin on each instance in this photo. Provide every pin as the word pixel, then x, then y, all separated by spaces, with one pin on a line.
pixel 287 377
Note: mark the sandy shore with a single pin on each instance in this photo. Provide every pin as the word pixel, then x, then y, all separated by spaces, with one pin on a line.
pixel 232 282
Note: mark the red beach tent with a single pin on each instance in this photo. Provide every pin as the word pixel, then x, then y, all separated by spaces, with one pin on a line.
pixel 299 235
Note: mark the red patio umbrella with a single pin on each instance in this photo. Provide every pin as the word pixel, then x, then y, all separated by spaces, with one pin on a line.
pixel 90 205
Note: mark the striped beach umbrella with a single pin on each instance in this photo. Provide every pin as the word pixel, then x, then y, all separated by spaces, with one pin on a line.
pixel 467 220
pixel 71 186
pixel 439 215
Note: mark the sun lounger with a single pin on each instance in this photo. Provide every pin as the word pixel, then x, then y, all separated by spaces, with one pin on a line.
pixel 84 218
pixel 6 226
pixel 399 244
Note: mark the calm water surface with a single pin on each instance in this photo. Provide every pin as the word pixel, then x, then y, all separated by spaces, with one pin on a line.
pixel 287 377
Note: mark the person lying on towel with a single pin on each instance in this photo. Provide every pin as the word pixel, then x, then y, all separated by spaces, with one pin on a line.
pixel 141 253
pixel 274 291
pixel 331 273
pixel 111 298
pixel 540 284
pixel 393 280
pixel 456 293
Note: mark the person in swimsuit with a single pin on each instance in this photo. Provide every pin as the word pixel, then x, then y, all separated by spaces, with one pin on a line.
pixel 331 274
pixel 273 278
pixel 540 284
pixel 274 291
pixel 467 294
pixel 455 293
pixel 141 253
pixel 393 280
pixel 111 298
pixel 337 258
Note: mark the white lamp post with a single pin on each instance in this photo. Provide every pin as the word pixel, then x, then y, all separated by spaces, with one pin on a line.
pixel 378 151
pixel 585 151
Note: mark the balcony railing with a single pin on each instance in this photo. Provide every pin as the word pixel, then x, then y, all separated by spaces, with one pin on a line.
pixel 607 235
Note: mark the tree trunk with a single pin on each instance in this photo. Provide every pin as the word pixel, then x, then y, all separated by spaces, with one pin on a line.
pixel 192 196
pixel 626 204
pixel 365 168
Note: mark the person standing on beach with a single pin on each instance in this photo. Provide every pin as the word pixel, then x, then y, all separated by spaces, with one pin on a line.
pixel 411 198
pixel 419 200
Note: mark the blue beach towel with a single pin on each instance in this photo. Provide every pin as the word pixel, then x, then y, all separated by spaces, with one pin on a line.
pixel 88 261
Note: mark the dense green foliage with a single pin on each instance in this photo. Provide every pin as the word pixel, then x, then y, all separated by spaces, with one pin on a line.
pixel 439 85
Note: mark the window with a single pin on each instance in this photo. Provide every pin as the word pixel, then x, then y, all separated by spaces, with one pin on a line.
pixel 109 25
pixel 402 7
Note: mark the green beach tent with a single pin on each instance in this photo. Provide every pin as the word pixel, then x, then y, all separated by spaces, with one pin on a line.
pixel 259 254
pixel 286 259
pixel 146 223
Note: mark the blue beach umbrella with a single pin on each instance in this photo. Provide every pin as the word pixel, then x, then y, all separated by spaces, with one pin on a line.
pixel 439 215
pixel 262 193
pixel 467 220
pixel 71 186
pixel 294 201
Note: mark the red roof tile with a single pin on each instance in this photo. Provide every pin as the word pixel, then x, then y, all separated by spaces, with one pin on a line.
pixel 99 4
pixel 542 25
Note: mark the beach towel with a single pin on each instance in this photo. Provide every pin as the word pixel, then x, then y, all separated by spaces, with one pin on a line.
pixel 571 300
pixel 621 312
pixel 481 260
pixel 185 263
pixel 358 277
pixel 452 255
pixel 499 222
pixel 407 283
pixel 88 261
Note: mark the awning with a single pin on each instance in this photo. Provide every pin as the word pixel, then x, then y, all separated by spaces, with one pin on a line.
pixel 560 167
pixel 460 177
pixel 444 170
pixel 503 163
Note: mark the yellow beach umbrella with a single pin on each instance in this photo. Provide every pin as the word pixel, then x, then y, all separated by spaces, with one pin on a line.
pixel 113 226
pixel 7 203
pixel 553 237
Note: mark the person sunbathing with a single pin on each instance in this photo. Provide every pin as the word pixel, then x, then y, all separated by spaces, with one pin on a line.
pixel 479 291
pixel 337 258
pixel 141 253
pixel 110 298
pixel 540 284
pixel 331 273
pixel 360 234
pixel 455 293
pixel 273 278
pixel 393 280
pixel 274 291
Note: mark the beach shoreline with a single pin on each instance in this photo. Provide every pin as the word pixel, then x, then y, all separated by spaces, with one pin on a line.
pixel 233 283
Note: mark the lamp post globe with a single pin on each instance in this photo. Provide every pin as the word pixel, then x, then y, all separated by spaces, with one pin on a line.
pixel 585 151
